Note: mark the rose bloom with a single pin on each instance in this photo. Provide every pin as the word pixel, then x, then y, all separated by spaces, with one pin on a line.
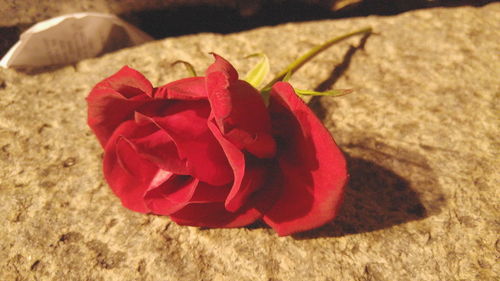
pixel 207 151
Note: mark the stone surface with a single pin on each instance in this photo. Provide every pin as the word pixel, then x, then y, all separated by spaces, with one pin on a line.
pixel 420 132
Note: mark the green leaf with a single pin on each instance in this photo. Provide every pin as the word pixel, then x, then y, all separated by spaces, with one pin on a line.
pixel 331 93
pixel 258 73
pixel 287 76
pixel 189 67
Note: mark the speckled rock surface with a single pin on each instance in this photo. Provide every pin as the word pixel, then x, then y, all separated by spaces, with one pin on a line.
pixel 421 135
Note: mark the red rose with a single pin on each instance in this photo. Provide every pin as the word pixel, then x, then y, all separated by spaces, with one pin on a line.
pixel 206 151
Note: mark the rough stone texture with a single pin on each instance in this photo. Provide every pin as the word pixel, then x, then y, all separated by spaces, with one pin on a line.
pixel 421 135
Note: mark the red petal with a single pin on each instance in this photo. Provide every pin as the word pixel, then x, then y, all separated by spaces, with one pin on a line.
pixel 313 167
pixel 222 65
pixel 236 159
pixel 186 123
pixel 249 175
pixel 252 181
pixel 159 148
pixel 128 175
pixel 114 100
pixel 241 114
pixel 214 215
pixel 128 82
pixel 192 88
pixel 171 196
pixel 219 96
pixel 206 193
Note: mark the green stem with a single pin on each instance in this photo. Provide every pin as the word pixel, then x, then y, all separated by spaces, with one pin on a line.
pixel 294 66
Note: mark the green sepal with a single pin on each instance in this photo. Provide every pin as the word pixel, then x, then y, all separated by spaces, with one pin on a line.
pixel 287 76
pixel 258 73
pixel 189 67
pixel 330 93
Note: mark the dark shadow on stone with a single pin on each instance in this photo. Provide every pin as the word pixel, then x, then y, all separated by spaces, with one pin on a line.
pixel 388 186
pixel 186 19
pixel 315 103
pixel 375 198
pixel 342 67
pixel 394 7
pixel 40 69
pixel 257 225
pixel 206 18
pixel 8 37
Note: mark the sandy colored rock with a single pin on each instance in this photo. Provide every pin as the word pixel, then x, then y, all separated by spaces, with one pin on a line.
pixel 421 136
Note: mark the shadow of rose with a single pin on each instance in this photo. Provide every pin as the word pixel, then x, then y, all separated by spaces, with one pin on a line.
pixel 388 186
pixel 377 197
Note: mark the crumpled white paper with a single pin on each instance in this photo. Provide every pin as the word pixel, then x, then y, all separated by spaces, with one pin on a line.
pixel 70 38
